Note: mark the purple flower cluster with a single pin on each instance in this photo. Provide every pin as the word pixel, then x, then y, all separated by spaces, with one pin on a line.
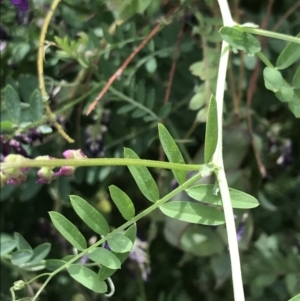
pixel 21 4
pixel 94 134
pixel 15 176
pixel 140 256
pixel 15 143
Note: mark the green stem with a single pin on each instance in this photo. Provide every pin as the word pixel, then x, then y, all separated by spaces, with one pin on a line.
pixel 264 59
pixel 270 34
pixel 99 162
pixel 238 289
pixel 166 198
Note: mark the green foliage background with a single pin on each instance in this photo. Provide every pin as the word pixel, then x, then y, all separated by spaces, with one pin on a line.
pixel 182 267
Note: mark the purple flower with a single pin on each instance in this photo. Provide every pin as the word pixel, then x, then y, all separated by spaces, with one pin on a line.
pixel 21 4
pixel 241 227
pixel 140 256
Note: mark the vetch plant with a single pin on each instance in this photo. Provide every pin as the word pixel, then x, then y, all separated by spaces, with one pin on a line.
pixel 209 204
pixel 119 242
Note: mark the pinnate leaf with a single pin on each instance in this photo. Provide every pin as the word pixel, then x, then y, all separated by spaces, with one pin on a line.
pixel 36 105
pixel 120 243
pixel 40 252
pixel 273 79
pixel 105 258
pixel 54 264
pixel 204 193
pixel 87 278
pixel 172 152
pixel 295 298
pixel 22 244
pixel 122 201
pixel 294 106
pixel 296 79
pixel 106 272
pixel 238 39
pixel 211 132
pixel 142 177
pixel 6 246
pixel 289 55
pixel 13 104
pixel 193 213
pixel 21 256
pixel 285 94
pixel 68 230
pixel 91 216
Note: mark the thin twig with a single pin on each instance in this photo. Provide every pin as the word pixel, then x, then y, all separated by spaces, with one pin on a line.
pixel 286 15
pixel 120 70
pixel 173 67
pixel 40 67
pixel 251 92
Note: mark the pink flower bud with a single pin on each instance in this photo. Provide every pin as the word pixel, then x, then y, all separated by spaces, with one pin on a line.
pixel 74 154
pixel 65 171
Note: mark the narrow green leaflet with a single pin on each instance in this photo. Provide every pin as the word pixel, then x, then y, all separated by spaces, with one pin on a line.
pixel 142 177
pixel 285 94
pixel 296 298
pixel 204 193
pixel 87 278
pixel 273 79
pixel 296 79
pixel 34 267
pixel 7 246
pixel 172 152
pixel 289 55
pixel 12 103
pixel 54 264
pixel 40 253
pixel 22 244
pixel 294 106
pixel 122 201
pixel 105 258
pixel 197 101
pixel 91 216
pixel 68 231
pixel 105 272
pixel 238 39
pixel 120 243
pixel 211 132
pixel 193 213
pixel 36 105
pixel 21 256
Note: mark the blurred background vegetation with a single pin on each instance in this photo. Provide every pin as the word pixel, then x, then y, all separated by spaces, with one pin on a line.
pixel 170 80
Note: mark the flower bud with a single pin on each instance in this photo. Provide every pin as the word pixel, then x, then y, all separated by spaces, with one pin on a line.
pixel 74 154
pixel 46 174
pixel 65 171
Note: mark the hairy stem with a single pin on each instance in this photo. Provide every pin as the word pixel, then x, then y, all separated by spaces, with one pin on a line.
pixel 99 162
pixel 218 160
